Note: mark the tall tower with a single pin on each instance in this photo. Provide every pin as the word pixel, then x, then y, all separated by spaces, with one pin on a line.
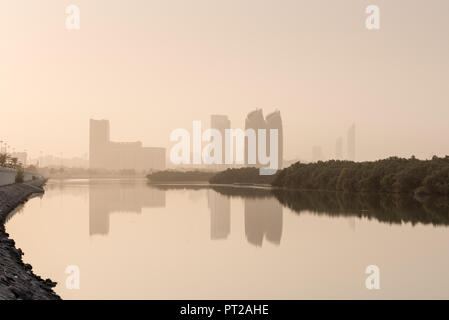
pixel 274 121
pixel 351 143
pixel 221 123
pixel 98 143
pixel 255 121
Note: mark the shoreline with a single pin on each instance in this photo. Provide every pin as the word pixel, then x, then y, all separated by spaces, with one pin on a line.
pixel 17 280
pixel 290 189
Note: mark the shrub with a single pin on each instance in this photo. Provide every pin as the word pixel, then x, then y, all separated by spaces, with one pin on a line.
pixel 20 175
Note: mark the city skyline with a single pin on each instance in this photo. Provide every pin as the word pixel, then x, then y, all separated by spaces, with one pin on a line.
pixel 314 61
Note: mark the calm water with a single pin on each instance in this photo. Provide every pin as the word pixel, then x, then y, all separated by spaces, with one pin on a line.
pixel 132 240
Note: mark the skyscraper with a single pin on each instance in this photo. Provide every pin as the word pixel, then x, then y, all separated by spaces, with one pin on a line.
pixel 98 143
pixel 256 121
pixel 351 143
pixel 221 123
pixel 274 121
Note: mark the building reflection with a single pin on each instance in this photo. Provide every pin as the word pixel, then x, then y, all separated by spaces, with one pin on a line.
pixel 263 220
pixel 106 199
pixel 262 214
pixel 220 215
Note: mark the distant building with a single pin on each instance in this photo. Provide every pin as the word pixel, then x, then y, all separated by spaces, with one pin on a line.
pixel 105 154
pixel 339 149
pixel 221 123
pixel 317 154
pixel 21 157
pixel 57 162
pixel 274 121
pixel 256 121
pixel 351 143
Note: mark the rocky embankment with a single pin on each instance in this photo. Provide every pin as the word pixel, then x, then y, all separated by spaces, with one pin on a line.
pixel 17 281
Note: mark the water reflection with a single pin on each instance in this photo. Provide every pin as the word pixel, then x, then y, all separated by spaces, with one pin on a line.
pixel 121 198
pixel 386 208
pixel 263 219
pixel 262 212
pixel 263 215
pixel 220 215
pixel 263 207
pixel 275 244
pixel 278 244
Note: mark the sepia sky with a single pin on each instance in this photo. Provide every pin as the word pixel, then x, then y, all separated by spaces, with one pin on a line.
pixel 154 66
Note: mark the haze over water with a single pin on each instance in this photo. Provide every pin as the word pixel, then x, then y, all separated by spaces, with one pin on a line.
pixel 133 240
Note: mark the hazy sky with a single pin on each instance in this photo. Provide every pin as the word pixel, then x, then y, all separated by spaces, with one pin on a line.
pixel 153 66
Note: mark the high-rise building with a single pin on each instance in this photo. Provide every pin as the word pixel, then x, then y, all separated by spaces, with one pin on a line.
pixel 339 149
pixel 256 121
pixel 221 123
pixel 98 143
pixel 105 154
pixel 274 121
pixel 351 143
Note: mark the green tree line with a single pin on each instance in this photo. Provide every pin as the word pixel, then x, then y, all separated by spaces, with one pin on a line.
pixel 392 175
